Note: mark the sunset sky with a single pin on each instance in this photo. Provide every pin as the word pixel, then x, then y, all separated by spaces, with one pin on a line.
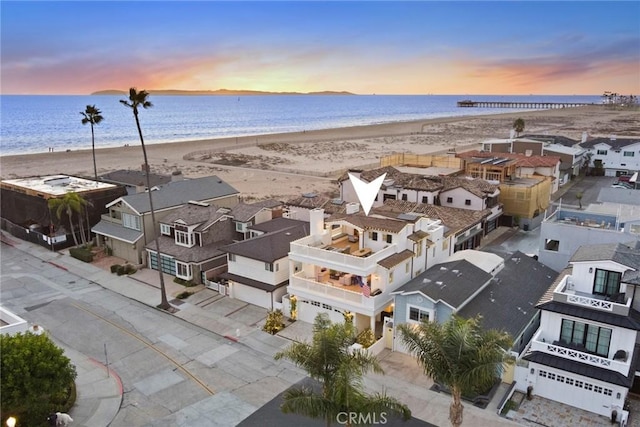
pixel 504 47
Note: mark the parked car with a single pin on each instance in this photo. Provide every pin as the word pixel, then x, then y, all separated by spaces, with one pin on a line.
pixel 621 185
pixel 624 178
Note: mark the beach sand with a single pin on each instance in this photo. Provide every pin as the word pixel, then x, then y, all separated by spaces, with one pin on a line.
pixel 248 163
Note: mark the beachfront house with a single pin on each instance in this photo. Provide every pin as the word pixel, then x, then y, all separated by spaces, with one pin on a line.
pixel 613 156
pixel 127 228
pixel 350 264
pixel 586 350
pixel 258 268
pixel 26 214
pixel 456 192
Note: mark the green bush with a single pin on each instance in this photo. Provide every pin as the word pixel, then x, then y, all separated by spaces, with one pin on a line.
pixel 184 294
pixel 121 270
pixel 186 283
pixel 274 323
pixel 129 269
pixel 36 376
pixel 114 268
pixel 81 254
pixel 366 338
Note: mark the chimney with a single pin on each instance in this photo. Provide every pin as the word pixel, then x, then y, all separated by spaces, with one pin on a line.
pixel 352 208
pixel 528 153
pixel 512 134
pixel 176 176
pixel 584 137
pixel 316 221
pixel 140 187
pixel 613 137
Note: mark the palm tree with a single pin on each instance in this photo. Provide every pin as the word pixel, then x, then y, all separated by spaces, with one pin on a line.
pixel 92 116
pixel 68 204
pixel 518 126
pixel 136 100
pixel 327 360
pixel 458 354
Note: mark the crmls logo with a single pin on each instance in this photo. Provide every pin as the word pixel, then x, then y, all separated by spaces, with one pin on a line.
pixel 361 418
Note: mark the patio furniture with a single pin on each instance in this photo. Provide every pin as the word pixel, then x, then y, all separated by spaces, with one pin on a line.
pixel 362 252
pixel 346 279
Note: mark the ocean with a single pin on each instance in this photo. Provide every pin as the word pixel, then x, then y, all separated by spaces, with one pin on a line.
pixel 34 124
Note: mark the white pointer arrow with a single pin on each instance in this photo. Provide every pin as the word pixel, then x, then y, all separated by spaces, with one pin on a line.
pixel 366 191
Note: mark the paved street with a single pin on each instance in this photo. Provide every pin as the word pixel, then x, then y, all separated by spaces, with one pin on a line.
pixel 185 369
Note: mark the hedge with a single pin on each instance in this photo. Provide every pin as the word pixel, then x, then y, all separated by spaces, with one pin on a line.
pixel 81 254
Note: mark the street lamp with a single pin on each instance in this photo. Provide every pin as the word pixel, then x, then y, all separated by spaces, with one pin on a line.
pixel 11 422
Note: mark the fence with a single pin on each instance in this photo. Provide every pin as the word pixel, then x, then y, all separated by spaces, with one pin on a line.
pixel 423 160
pixel 55 243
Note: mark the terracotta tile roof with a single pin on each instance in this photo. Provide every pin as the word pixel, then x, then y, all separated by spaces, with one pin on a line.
pixel 243 212
pixel 314 201
pixel 522 160
pixel 548 295
pixel 477 187
pixel 380 223
pixel 418 235
pixel 455 219
pixel 395 259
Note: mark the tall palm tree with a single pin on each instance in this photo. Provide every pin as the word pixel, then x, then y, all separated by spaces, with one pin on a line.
pixel 458 354
pixel 327 360
pixel 518 126
pixel 135 101
pixel 93 116
pixel 68 204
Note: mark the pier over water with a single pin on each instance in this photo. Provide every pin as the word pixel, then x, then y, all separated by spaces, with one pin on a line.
pixel 513 104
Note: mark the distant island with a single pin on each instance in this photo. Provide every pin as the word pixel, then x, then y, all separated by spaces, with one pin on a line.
pixel 217 92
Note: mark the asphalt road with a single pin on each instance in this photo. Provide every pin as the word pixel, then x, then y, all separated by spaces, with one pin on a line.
pixel 173 373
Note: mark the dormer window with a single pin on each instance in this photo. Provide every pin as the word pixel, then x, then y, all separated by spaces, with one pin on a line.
pixel 606 282
pixel 165 230
pixel 184 238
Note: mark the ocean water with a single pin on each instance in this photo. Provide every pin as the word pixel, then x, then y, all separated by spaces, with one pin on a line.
pixel 33 124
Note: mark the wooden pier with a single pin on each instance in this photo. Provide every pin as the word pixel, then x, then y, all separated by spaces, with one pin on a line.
pixel 513 104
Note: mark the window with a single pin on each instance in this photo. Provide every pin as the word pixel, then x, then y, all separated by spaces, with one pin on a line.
pixel 569 381
pixel 391 276
pixel 389 238
pixel 467 202
pixel 271 266
pixel 131 221
pixel 602 152
pixel 597 389
pixel 607 391
pixel 588 386
pixel 241 227
pixel 579 384
pixel 543 374
pixel 417 315
pixel 183 270
pixel 552 245
pixel 373 235
pixel 560 379
pixel 406 268
pixel 593 338
pixel 445 244
pixel 449 199
pixel 404 196
pixel 232 257
pixel 425 199
pixel 184 239
pixel 628 153
pixel 327 307
pixel 419 249
pixel 552 376
pixel 165 230
pixel 606 282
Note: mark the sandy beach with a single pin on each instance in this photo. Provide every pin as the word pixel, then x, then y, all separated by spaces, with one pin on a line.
pixel 286 165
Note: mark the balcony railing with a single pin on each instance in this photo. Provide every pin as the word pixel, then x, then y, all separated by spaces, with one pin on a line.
pixel 107 217
pixel 565 292
pixel 298 282
pixel 322 256
pixel 537 344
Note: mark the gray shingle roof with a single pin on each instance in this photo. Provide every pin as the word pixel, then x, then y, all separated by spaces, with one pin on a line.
pixel 117 231
pixel 135 177
pixel 451 282
pixel 614 144
pixel 195 254
pixel 508 303
pixel 253 283
pixel 554 139
pixel 277 224
pixel 271 246
pixel 243 212
pixel 626 254
pixel 180 192
pixel 192 214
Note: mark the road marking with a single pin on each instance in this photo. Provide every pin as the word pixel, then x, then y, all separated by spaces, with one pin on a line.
pixel 150 345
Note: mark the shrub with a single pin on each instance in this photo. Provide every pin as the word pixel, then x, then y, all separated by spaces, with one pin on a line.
pixel 82 254
pixel 366 338
pixel 186 283
pixel 184 294
pixel 120 270
pixel 114 268
pixel 275 322
pixel 129 269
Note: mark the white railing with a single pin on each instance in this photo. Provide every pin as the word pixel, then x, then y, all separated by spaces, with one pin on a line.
pixel 377 347
pixel 590 359
pixel 332 294
pixel 566 289
pixel 324 257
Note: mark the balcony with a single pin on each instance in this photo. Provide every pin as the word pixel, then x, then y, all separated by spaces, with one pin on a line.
pixel 538 343
pixel 314 250
pixel 566 293
pixel 109 218
pixel 332 291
